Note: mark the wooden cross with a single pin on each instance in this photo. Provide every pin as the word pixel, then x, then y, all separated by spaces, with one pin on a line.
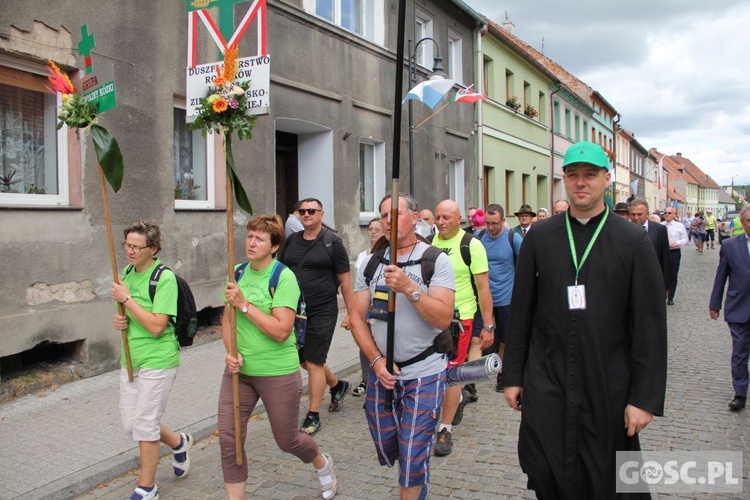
pixel 85 46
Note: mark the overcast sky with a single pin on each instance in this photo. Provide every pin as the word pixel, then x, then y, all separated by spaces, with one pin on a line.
pixel 677 71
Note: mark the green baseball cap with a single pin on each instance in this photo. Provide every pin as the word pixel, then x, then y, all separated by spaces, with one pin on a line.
pixel 587 152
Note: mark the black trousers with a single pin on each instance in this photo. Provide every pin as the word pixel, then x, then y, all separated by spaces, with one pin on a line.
pixel 674 267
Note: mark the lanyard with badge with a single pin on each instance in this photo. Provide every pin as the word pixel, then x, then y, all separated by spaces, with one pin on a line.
pixel 577 293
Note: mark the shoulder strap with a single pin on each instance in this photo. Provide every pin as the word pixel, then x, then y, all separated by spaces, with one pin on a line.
pixel 480 234
pixel 511 240
pixel 429 257
pixel 430 238
pixel 273 281
pixel 240 270
pixel 155 275
pixel 465 252
pixel 376 258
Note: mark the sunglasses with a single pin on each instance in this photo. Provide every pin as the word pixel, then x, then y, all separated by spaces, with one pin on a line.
pixel 309 211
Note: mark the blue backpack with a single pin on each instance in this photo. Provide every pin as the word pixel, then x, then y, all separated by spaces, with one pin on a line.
pixel 300 317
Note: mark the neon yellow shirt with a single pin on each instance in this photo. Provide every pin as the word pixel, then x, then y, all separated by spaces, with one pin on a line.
pixel 465 299
pixel 711 222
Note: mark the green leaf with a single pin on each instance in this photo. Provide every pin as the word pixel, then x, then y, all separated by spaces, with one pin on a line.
pixel 239 191
pixel 109 156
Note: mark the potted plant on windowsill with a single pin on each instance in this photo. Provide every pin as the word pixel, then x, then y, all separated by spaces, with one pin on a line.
pixel 530 111
pixel 7 179
pixel 514 103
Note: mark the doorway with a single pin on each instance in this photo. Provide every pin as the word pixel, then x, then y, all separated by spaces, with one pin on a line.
pixel 287 173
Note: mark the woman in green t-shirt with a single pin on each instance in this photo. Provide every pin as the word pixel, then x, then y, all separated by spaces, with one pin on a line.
pixel 267 360
pixel 154 354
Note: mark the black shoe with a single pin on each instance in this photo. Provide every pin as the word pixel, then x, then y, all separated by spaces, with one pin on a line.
pixel 443 443
pixel 737 403
pixel 670 302
pixel 459 416
pixel 338 396
pixel 311 425
pixel 472 390
pixel 499 386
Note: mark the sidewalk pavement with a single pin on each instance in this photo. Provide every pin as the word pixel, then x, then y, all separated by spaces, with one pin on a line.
pixel 60 443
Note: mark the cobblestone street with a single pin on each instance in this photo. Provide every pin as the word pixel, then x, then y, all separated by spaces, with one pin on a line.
pixel 484 463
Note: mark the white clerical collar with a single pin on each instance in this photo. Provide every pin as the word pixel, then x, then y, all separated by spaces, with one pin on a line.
pixel 583 221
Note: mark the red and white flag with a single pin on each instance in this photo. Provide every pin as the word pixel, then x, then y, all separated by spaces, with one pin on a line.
pixel 468 95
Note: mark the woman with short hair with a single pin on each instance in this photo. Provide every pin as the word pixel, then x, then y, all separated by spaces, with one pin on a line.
pixel 154 353
pixel 267 360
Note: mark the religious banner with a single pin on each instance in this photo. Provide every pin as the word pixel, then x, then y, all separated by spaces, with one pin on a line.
pixel 255 71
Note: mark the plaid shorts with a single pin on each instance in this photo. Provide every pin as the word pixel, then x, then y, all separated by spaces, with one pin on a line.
pixel 405 435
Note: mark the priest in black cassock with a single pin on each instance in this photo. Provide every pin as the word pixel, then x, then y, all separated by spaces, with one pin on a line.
pixel 586 353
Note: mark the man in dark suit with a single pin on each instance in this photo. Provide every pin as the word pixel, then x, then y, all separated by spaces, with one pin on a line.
pixel 656 232
pixel 525 215
pixel 734 264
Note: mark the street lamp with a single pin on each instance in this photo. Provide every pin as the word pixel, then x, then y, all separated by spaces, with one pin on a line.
pixel 437 74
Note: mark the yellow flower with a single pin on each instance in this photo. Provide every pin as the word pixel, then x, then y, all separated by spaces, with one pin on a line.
pixel 220 105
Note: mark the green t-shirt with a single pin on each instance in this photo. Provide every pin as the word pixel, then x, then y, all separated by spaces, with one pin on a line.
pixel 147 351
pixel 263 356
pixel 465 299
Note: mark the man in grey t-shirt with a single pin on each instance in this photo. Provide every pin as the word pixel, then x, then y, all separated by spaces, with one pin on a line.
pixel 422 312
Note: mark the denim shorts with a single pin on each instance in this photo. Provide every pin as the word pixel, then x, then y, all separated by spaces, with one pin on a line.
pixel 405 435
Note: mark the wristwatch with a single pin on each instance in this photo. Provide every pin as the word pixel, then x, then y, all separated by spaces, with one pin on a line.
pixel 245 307
pixel 415 296
pixel 490 328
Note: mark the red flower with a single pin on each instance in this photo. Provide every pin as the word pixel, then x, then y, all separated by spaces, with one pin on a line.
pixel 59 80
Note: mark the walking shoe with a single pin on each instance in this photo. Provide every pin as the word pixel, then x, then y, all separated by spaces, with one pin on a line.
pixel 443 443
pixel 181 456
pixel 140 494
pixel 311 424
pixel 499 385
pixel 338 396
pixel 327 478
pixel 670 302
pixel 472 390
pixel 459 416
pixel 360 389
pixel 737 403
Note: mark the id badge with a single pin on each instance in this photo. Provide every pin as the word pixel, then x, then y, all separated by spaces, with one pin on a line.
pixel 577 297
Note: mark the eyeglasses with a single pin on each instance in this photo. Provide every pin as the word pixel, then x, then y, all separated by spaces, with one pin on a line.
pixel 132 248
pixel 309 211
pixel 493 224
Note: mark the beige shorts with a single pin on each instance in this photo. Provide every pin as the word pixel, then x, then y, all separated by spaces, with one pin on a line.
pixel 144 400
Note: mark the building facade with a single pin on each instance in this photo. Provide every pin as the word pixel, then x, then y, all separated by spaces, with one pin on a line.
pixel 328 136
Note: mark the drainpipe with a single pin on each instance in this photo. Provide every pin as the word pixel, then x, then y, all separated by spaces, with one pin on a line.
pixel 552 146
pixel 479 85
pixel 615 122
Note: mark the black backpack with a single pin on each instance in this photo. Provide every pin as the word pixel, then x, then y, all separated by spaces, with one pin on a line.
pixel 186 322
pixel 446 342
pixel 511 237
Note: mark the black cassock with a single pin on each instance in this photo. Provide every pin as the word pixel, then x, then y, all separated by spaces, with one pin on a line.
pixel 580 368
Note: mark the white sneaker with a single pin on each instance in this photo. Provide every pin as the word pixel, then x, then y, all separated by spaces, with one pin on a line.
pixel 181 468
pixel 141 494
pixel 327 477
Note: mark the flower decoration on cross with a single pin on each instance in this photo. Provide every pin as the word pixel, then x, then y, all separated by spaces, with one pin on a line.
pixel 79 114
pixel 224 111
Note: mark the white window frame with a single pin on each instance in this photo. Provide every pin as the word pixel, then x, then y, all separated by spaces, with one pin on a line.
pixel 62 198
pixel 372 21
pixel 210 150
pixel 378 187
pixel 423 29
pixel 456 183
pixel 455 57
